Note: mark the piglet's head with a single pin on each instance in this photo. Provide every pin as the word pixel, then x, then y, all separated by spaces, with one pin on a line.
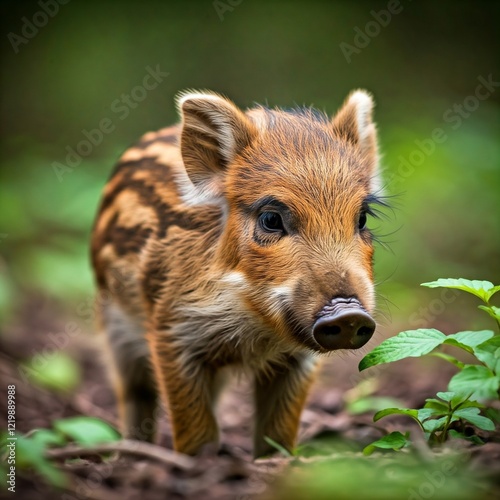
pixel 296 189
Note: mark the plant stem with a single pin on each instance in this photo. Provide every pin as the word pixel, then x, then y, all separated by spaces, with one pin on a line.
pixel 442 438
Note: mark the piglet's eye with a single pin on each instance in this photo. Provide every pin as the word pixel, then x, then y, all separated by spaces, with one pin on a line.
pixel 362 220
pixel 271 222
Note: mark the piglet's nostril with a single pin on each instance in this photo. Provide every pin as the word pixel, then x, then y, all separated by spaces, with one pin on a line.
pixel 333 329
pixel 365 331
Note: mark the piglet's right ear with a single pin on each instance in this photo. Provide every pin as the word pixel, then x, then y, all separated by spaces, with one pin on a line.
pixel 214 131
pixel 354 122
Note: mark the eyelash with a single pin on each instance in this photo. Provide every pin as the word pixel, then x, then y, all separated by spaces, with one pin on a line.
pixel 370 204
pixel 370 207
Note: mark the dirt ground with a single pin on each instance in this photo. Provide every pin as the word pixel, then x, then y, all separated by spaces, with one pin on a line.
pixel 231 474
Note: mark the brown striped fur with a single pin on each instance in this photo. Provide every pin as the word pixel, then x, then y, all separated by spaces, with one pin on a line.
pixel 198 285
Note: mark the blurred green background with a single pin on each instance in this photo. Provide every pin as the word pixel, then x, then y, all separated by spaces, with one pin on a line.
pixel 65 76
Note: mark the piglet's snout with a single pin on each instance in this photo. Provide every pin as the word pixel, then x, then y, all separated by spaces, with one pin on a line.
pixel 343 324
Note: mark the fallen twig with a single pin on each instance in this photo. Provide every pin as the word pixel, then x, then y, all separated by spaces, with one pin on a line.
pixel 128 447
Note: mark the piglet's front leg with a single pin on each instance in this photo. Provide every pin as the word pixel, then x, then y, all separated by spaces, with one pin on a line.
pixel 280 394
pixel 189 392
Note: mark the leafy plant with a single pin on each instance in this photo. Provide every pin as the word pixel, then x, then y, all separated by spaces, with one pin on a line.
pixel 31 448
pixel 357 476
pixel 30 455
pixel 467 391
pixel 394 441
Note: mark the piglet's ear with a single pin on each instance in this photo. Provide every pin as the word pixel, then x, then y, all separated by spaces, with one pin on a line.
pixel 354 122
pixel 214 131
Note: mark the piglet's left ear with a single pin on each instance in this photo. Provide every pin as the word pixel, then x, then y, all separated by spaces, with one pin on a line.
pixel 214 131
pixel 353 122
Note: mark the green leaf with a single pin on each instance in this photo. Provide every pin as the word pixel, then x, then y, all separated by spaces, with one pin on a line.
pixel 458 435
pixel 393 441
pixel 482 289
pixel 426 413
pixel 48 437
pixel 86 431
pixel 445 396
pixel 470 404
pixel 371 403
pixel 437 405
pixel 472 416
pixel 493 311
pixel 447 357
pixel 56 371
pixel 489 353
pixel 434 425
pixel 397 411
pixel 408 344
pixel 469 339
pixel 31 454
pixel 475 382
pixel 277 446
pixel 456 400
